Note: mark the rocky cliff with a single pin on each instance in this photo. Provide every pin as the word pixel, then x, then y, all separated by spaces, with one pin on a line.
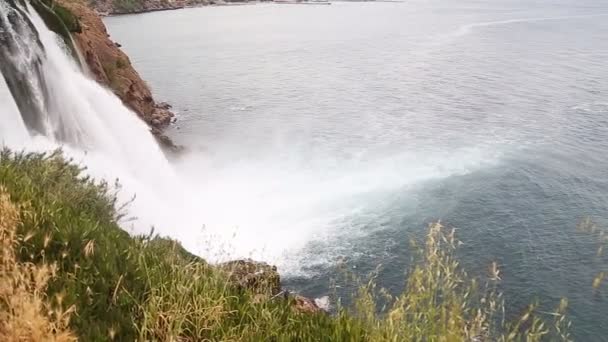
pixel 110 66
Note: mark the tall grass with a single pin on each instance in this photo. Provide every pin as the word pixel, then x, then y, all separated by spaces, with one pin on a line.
pixel 25 312
pixel 84 277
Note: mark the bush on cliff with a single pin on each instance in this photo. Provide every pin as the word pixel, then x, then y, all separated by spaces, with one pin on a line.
pixel 80 275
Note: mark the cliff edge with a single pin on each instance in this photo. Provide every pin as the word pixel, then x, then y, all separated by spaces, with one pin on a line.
pixel 111 67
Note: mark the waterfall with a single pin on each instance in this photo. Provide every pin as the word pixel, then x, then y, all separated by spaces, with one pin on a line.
pixel 47 103
pixel 21 62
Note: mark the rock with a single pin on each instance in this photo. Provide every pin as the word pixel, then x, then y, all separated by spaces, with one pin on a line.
pixel 163 105
pixel 265 282
pixel 259 277
pixel 162 116
pixel 306 305
pixel 165 141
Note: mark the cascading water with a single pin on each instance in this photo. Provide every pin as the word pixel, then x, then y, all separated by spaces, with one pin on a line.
pixel 52 104
pixel 21 63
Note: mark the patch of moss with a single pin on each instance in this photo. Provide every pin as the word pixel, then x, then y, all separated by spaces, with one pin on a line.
pixel 68 18
pixel 121 63
pixel 110 70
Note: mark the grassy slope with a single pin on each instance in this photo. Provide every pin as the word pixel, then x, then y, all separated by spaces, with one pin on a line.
pixel 114 286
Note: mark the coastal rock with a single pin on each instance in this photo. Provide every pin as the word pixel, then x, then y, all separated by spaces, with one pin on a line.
pixel 165 141
pixel 259 277
pixel 111 67
pixel 265 282
pixel 163 105
pixel 139 6
pixel 306 305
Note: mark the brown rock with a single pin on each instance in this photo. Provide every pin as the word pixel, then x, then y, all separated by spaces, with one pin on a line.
pixel 306 305
pixel 256 276
pixel 265 282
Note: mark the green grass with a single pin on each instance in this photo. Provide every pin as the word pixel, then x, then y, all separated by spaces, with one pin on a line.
pixel 149 288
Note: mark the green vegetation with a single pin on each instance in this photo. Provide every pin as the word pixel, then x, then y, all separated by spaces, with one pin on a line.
pixel 59 20
pixel 67 17
pixel 111 70
pixel 121 63
pixel 76 273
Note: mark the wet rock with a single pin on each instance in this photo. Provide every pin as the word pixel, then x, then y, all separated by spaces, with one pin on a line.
pixel 166 142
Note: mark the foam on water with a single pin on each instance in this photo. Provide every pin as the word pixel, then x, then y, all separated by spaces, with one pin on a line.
pixel 470 28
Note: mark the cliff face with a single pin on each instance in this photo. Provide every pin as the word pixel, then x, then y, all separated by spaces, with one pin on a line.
pixel 112 67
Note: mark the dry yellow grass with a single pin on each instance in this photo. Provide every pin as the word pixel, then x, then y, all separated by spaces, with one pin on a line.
pixel 25 313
